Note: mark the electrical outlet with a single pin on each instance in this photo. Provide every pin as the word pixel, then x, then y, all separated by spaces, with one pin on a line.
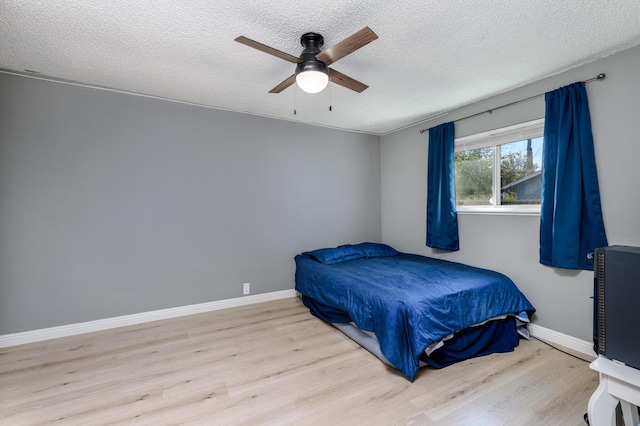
pixel 246 288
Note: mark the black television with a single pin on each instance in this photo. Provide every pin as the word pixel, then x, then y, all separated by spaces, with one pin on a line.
pixel 617 304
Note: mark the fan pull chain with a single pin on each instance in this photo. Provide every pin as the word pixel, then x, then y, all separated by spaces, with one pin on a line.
pixel 330 97
pixel 294 99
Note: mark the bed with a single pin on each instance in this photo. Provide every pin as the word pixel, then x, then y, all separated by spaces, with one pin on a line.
pixel 412 310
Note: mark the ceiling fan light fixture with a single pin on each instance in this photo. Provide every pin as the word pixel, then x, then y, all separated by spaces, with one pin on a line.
pixel 312 67
pixel 312 76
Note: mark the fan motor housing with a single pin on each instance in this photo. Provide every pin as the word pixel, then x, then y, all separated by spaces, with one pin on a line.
pixel 312 42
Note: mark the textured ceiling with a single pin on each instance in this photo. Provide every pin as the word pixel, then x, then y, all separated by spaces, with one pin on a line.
pixel 431 55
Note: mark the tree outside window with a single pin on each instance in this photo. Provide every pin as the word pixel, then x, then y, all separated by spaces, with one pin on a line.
pixel 517 177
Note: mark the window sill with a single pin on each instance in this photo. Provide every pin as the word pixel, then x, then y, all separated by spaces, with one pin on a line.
pixel 504 210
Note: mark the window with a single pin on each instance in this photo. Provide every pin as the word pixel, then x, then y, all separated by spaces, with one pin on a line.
pixel 500 170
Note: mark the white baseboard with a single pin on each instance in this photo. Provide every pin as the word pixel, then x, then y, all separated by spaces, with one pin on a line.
pixel 565 340
pixel 32 336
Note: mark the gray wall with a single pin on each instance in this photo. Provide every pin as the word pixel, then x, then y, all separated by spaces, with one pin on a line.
pixel 510 243
pixel 113 204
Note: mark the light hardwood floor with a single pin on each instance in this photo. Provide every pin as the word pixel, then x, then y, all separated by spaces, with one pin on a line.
pixel 273 363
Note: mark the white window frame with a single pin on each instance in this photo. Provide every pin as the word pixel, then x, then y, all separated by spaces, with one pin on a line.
pixel 527 130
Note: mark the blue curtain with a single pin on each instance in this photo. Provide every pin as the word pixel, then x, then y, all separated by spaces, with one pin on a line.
pixel 571 224
pixel 442 217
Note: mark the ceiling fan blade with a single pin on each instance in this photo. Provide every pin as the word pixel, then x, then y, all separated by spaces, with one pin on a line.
pixel 266 49
pixel 346 81
pixel 280 87
pixel 350 44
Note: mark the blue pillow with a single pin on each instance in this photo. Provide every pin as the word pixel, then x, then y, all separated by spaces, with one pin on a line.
pixel 329 256
pixel 374 249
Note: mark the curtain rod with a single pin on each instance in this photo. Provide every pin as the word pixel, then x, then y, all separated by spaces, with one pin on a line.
pixel 596 78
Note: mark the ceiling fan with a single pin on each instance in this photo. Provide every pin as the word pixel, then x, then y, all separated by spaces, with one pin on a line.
pixel 312 67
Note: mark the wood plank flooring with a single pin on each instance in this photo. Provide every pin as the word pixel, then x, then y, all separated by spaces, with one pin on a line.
pixel 275 364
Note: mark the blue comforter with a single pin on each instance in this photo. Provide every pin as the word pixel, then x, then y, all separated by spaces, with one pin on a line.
pixel 408 301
